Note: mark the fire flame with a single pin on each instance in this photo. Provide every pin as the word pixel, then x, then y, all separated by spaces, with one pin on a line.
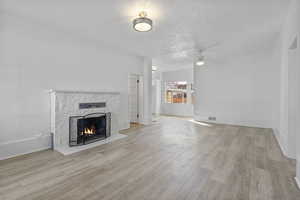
pixel 89 131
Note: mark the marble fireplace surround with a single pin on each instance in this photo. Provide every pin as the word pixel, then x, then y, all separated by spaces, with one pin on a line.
pixel 66 103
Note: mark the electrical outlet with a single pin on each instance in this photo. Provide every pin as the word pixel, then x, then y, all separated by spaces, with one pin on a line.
pixel 212 118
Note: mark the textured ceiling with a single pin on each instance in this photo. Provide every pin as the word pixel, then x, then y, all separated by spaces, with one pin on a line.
pixel 180 26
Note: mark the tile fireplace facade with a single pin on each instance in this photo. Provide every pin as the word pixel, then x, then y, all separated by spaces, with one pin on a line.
pixel 65 104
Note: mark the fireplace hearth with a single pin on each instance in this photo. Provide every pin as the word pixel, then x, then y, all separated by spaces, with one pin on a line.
pixel 89 128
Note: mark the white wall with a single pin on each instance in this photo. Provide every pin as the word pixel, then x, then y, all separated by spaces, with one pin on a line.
pixel 34 59
pixel 290 31
pixel 241 89
pixel 147 95
pixel 156 97
pixel 176 109
pixel 156 93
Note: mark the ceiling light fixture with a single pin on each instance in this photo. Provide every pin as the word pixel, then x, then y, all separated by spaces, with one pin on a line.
pixel 200 61
pixel 142 23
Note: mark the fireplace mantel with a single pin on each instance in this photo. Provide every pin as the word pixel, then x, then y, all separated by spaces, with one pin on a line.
pixel 65 103
pixel 82 92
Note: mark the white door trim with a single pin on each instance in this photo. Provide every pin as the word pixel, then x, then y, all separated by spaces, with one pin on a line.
pixel 139 95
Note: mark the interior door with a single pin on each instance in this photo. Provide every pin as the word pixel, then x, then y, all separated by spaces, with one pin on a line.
pixel 134 98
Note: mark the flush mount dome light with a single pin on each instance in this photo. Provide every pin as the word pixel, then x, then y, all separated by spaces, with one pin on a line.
pixel 200 61
pixel 142 23
pixel 154 68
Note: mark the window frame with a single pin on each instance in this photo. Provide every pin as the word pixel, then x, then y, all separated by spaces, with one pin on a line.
pixel 171 93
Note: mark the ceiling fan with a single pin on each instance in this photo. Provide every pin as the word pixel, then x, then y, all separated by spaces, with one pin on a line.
pixel 199 54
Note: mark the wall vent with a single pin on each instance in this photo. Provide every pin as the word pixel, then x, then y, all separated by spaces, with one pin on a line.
pixel 212 118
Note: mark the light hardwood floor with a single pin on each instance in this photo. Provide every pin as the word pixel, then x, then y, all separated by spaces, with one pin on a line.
pixel 173 159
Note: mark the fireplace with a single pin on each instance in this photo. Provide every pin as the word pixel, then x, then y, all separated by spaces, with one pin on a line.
pixel 89 128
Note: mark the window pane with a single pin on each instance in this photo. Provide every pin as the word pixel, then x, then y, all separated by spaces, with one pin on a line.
pixel 176 92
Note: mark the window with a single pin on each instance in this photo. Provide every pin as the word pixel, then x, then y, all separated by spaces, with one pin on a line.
pixel 177 92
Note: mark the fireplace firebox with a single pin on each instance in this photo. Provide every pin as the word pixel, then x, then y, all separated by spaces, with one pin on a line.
pixel 89 128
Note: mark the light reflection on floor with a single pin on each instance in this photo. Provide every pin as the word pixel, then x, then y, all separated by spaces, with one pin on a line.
pixel 200 123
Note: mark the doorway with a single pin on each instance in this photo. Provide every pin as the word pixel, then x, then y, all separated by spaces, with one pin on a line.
pixel 135 94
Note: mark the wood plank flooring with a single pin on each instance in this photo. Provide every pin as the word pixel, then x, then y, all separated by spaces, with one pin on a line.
pixel 173 159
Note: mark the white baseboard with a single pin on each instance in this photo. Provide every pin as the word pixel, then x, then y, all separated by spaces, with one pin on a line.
pixel 277 136
pixel 25 146
pixel 124 125
pixel 223 120
pixel 145 121
pixel 282 148
pixel 30 145
pixel 183 116
pixel 297 182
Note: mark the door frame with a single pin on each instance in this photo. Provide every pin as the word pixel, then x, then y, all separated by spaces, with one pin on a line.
pixel 140 95
pixel 293 99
